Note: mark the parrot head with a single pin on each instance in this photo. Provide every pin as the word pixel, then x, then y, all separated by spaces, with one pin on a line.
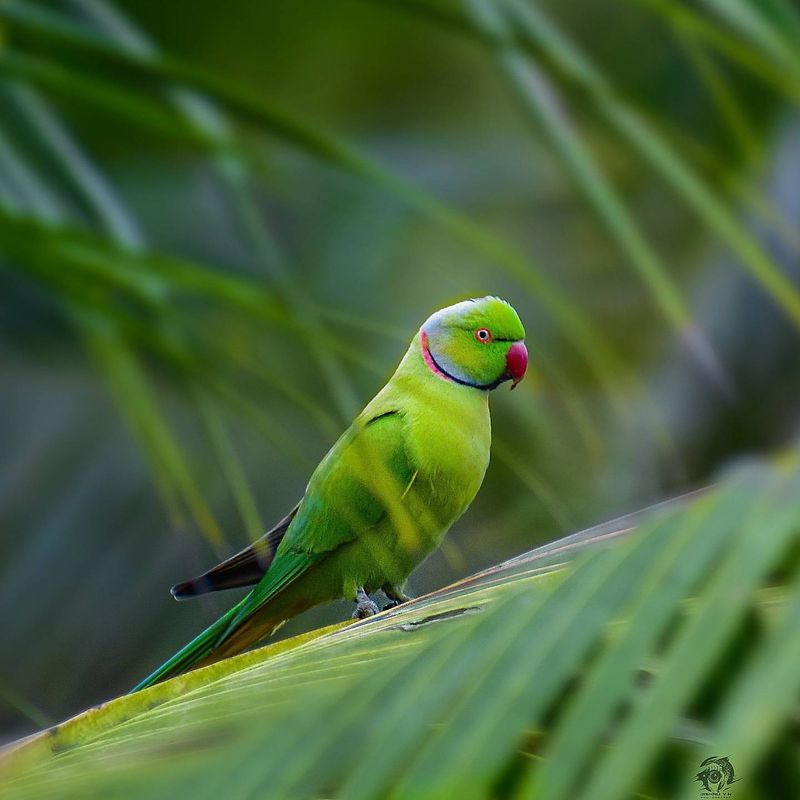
pixel 476 343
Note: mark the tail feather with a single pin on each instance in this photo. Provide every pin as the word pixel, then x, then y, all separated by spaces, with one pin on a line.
pixel 193 653
pixel 246 623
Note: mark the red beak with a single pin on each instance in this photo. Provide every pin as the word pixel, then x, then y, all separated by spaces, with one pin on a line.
pixel 517 362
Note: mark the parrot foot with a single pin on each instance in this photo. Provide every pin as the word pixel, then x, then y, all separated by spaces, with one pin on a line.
pixel 396 596
pixel 365 607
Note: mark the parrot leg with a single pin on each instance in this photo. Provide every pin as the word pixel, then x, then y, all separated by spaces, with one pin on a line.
pixel 364 606
pixel 396 596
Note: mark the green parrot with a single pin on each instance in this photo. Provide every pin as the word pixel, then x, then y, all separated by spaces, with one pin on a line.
pixel 386 493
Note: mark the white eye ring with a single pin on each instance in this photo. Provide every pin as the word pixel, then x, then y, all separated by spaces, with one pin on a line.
pixel 483 335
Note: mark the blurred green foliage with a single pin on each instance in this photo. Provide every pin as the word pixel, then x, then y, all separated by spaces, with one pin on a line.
pixel 218 230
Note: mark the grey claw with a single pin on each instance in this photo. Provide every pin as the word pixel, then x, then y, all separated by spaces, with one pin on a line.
pixel 396 596
pixel 364 610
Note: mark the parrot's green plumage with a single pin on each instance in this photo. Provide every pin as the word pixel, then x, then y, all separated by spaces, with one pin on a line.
pixel 385 494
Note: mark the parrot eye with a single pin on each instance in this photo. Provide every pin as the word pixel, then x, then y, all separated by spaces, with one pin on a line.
pixel 483 335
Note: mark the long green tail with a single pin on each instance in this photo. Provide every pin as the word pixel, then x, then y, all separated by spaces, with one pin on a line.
pixel 282 572
pixel 200 647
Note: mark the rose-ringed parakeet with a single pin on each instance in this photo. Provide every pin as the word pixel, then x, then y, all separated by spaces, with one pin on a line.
pixel 386 493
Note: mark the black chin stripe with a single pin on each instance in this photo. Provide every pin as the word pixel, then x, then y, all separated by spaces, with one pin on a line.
pixel 486 387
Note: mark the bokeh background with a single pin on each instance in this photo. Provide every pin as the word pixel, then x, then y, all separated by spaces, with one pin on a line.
pixel 221 225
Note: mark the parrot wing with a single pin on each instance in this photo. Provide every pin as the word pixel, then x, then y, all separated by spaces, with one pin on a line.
pixel 361 480
pixel 246 568
pixel 355 486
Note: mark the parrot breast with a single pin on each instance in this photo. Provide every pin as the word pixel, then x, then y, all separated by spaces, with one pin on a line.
pixel 447 433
